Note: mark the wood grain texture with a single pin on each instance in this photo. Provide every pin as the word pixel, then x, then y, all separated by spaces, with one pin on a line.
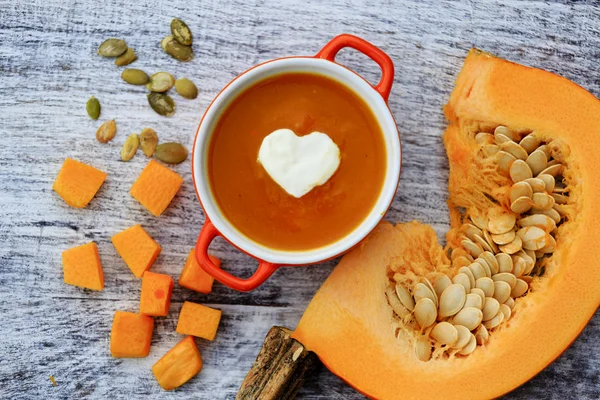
pixel 48 70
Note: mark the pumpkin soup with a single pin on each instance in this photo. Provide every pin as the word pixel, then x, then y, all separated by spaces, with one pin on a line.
pixel 261 209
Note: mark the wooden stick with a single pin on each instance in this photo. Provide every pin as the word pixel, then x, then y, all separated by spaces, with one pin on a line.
pixel 280 368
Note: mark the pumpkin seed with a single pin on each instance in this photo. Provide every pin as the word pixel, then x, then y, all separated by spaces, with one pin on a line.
pixel 445 333
pixel 540 220
pixel 148 141
pixel 488 238
pixel 405 297
pixel 162 103
pixel 107 131
pixel 537 185
pixel 491 306
pixel 394 303
pixel 463 337
pixel 482 335
pixel 473 300
pixel 477 270
pixel 469 274
pixel 441 283
pixel 552 213
pixel 505 263
pixel 460 252
pixel 521 205
pixel 500 221
pixel 510 302
pixel 553 170
pixel 519 171
pixel 504 161
pixel 519 266
pixel 422 291
pixel 503 130
pixel 471 247
pixel 93 108
pixel 559 198
pixel 545 149
pixel 504 238
pixel 130 147
pixel 186 88
pixel 537 161
pixel 181 32
pixel 112 47
pixel 480 221
pixel 550 246
pixel 513 246
pixel 469 317
pixel 543 201
pixel 486 284
pixel 533 237
pixel 519 289
pixel 495 321
pixel 460 262
pixel 483 243
pixel 507 277
pixel 423 348
pixel 452 300
pixel 514 149
pixel 491 260
pixel 500 139
pixel 548 180
pixel 425 312
pixel 530 143
pixel 126 58
pixel 520 189
pixel 160 82
pixel 470 347
pixel 506 310
pixel 177 50
pixel 501 291
pixel 490 149
pixel 171 153
pixel 135 76
pixel 485 265
pixel 483 138
pixel 479 293
pixel 471 231
pixel 462 279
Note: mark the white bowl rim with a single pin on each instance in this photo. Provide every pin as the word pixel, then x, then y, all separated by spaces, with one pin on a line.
pixel 248 78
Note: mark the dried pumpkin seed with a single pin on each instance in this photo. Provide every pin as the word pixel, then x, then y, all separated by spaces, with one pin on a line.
pixel 112 47
pixel 130 147
pixel 93 108
pixel 186 88
pixel 171 153
pixel 177 50
pixel 181 32
pixel 107 131
pixel 162 103
pixel 160 82
pixel 126 58
pixel 135 76
pixel 148 141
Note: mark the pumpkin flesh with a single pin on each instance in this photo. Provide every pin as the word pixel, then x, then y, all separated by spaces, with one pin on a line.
pixel 350 323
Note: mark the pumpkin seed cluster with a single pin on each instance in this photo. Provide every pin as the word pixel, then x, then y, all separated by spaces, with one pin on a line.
pixel 499 253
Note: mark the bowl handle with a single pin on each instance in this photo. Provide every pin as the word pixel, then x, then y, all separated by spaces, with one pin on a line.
pixel 330 50
pixel 207 234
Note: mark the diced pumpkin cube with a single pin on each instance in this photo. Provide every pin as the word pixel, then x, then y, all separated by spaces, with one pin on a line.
pixel 156 186
pixel 131 335
pixel 156 294
pixel 198 320
pixel 77 183
pixel 194 277
pixel 82 267
pixel 179 365
pixel 137 249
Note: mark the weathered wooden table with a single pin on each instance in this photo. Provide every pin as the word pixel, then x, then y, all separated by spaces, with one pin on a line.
pixel 49 68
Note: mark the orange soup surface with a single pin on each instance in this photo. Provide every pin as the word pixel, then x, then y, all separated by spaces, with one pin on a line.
pixel 256 205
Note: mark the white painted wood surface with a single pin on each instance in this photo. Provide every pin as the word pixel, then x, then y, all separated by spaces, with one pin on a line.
pixel 48 69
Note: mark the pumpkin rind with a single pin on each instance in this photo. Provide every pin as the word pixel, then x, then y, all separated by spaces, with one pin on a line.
pixel 349 323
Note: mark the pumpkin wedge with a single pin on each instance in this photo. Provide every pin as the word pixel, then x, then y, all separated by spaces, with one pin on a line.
pixel 402 317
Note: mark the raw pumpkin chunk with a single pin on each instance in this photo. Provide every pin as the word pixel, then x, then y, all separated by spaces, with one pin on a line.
pixel 179 365
pixel 156 294
pixel 82 267
pixel 155 187
pixel 137 249
pixel 198 320
pixel 131 335
pixel 194 277
pixel 77 183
